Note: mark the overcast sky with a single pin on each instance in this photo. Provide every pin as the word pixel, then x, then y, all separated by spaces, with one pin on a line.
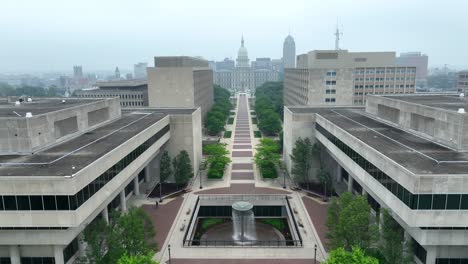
pixel 54 35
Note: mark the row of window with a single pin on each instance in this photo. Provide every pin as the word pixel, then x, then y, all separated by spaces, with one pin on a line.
pixel 330 82
pixel 331 73
pixel 382 86
pixel 70 250
pixel 72 202
pixel 413 201
pixel 330 100
pixel 121 96
pixel 452 261
pixel 382 71
pixel 384 79
pixel 330 91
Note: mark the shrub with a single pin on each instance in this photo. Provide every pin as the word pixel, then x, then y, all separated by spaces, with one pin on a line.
pixel 227 134
pixel 231 120
pixel 254 120
pixel 207 223
pixel 257 134
pixel 277 223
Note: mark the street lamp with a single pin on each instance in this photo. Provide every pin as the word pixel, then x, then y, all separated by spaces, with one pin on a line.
pixel 200 175
pixel 315 254
pixel 160 190
pixel 169 250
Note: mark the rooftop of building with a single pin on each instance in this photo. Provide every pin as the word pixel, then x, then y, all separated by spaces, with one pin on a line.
pixel 449 102
pixel 416 154
pixel 179 61
pixel 122 83
pixel 71 156
pixel 39 106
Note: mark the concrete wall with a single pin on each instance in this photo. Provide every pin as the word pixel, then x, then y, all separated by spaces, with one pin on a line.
pixel 170 87
pixel 203 89
pixel 317 87
pixel 27 135
pixel 344 59
pixel 186 134
pixel 442 126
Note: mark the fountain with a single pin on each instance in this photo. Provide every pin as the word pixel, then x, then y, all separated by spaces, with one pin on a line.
pixel 243 221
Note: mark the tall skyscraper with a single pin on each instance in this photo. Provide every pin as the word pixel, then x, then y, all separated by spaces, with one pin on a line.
pixel 139 70
pixel 289 52
pixel 77 72
pixel 117 73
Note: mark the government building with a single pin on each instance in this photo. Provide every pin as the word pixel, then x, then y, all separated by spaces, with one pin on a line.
pixel 244 76
pixel 406 153
pixel 339 77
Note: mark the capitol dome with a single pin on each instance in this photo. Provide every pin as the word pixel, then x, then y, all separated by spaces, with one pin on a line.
pixel 242 56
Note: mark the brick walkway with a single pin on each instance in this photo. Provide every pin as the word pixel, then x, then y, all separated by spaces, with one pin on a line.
pixel 163 217
pixel 243 189
pixel 243 261
pixel 318 214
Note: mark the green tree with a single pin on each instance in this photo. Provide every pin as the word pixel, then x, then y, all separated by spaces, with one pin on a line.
pixel 217 159
pixel 52 91
pixel 96 235
pixel 356 256
pixel 183 170
pixel 325 180
pixel 7 90
pixel 268 157
pixel 165 169
pixel 392 247
pixel 301 157
pixel 214 125
pixel 349 223
pixel 140 259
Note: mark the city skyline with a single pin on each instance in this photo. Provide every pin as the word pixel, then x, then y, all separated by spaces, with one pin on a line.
pixel 99 42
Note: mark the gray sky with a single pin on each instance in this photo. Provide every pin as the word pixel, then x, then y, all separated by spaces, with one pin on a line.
pixel 53 35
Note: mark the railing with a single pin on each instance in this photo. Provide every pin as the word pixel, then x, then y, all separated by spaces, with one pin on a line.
pixel 291 213
pixel 191 220
pixel 243 197
pixel 243 243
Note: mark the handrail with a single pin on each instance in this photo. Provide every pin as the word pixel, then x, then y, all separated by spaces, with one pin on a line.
pixel 244 243
pixel 190 222
pixel 294 220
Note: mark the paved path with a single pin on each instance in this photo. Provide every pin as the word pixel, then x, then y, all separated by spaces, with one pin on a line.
pixel 318 214
pixel 163 217
pixel 243 189
pixel 242 261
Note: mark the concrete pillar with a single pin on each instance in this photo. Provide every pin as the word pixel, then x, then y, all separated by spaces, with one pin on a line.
pixel 15 255
pixel 381 216
pixel 58 254
pixel 339 175
pixel 123 201
pixel 81 245
pixel 105 214
pixel 147 174
pixel 431 256
pixel 350 184
pixel 364 192
pixel 136 186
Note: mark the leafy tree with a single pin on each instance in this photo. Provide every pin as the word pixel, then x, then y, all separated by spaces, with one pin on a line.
pixel 349 222
pixel 165 169
pixel 7 90
pixel 269 107
pixel 140 259
pixel 129 234
pixel 356 256
pixel 325 180
pixel 183 170
pixel 269 122
pixel 392 247
pixel 217 158
pixel 268 157
pixel 214 125
pixel 52 91
pixel 301 157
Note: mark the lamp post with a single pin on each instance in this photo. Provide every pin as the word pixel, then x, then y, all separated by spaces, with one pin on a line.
pixel 169 250
pixel 160 190
pixel 200 175
pixel 315 254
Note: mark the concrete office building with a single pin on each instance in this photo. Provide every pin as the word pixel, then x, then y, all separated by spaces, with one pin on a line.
pixel 339 77
pixel 139 70
pixel 63 164
pixel 289 52
pixel 415 59
pixel 180 82
pixel 462 82
pixel 407 154
pixel 77 72
pixel 132 93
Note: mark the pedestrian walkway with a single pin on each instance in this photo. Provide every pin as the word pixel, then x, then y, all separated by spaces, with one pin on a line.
pixel 242 152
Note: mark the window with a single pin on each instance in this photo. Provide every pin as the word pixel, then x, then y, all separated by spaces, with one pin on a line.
pixel 331 73
pixel 330 82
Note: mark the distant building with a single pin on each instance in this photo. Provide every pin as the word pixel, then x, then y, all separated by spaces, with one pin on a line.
pixel 117 73
pixel 243 76
pixel 77 72
pixel 180 81
pixel 132 93
pixel 415 59
pixel 339 77
pixel 289 52
pixel 128 76
pixel 462 83
pixel 139 70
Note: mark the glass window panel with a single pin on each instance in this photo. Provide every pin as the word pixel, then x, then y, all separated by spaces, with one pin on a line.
pixel 425 202
pixel 438 202
pixel 464 202
pixel 49 202
pixel 62 203
pixel 10 202
pixel 23 202
pixel 453 201
pixel 36 202
pixel 414 198
pixel 1 204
